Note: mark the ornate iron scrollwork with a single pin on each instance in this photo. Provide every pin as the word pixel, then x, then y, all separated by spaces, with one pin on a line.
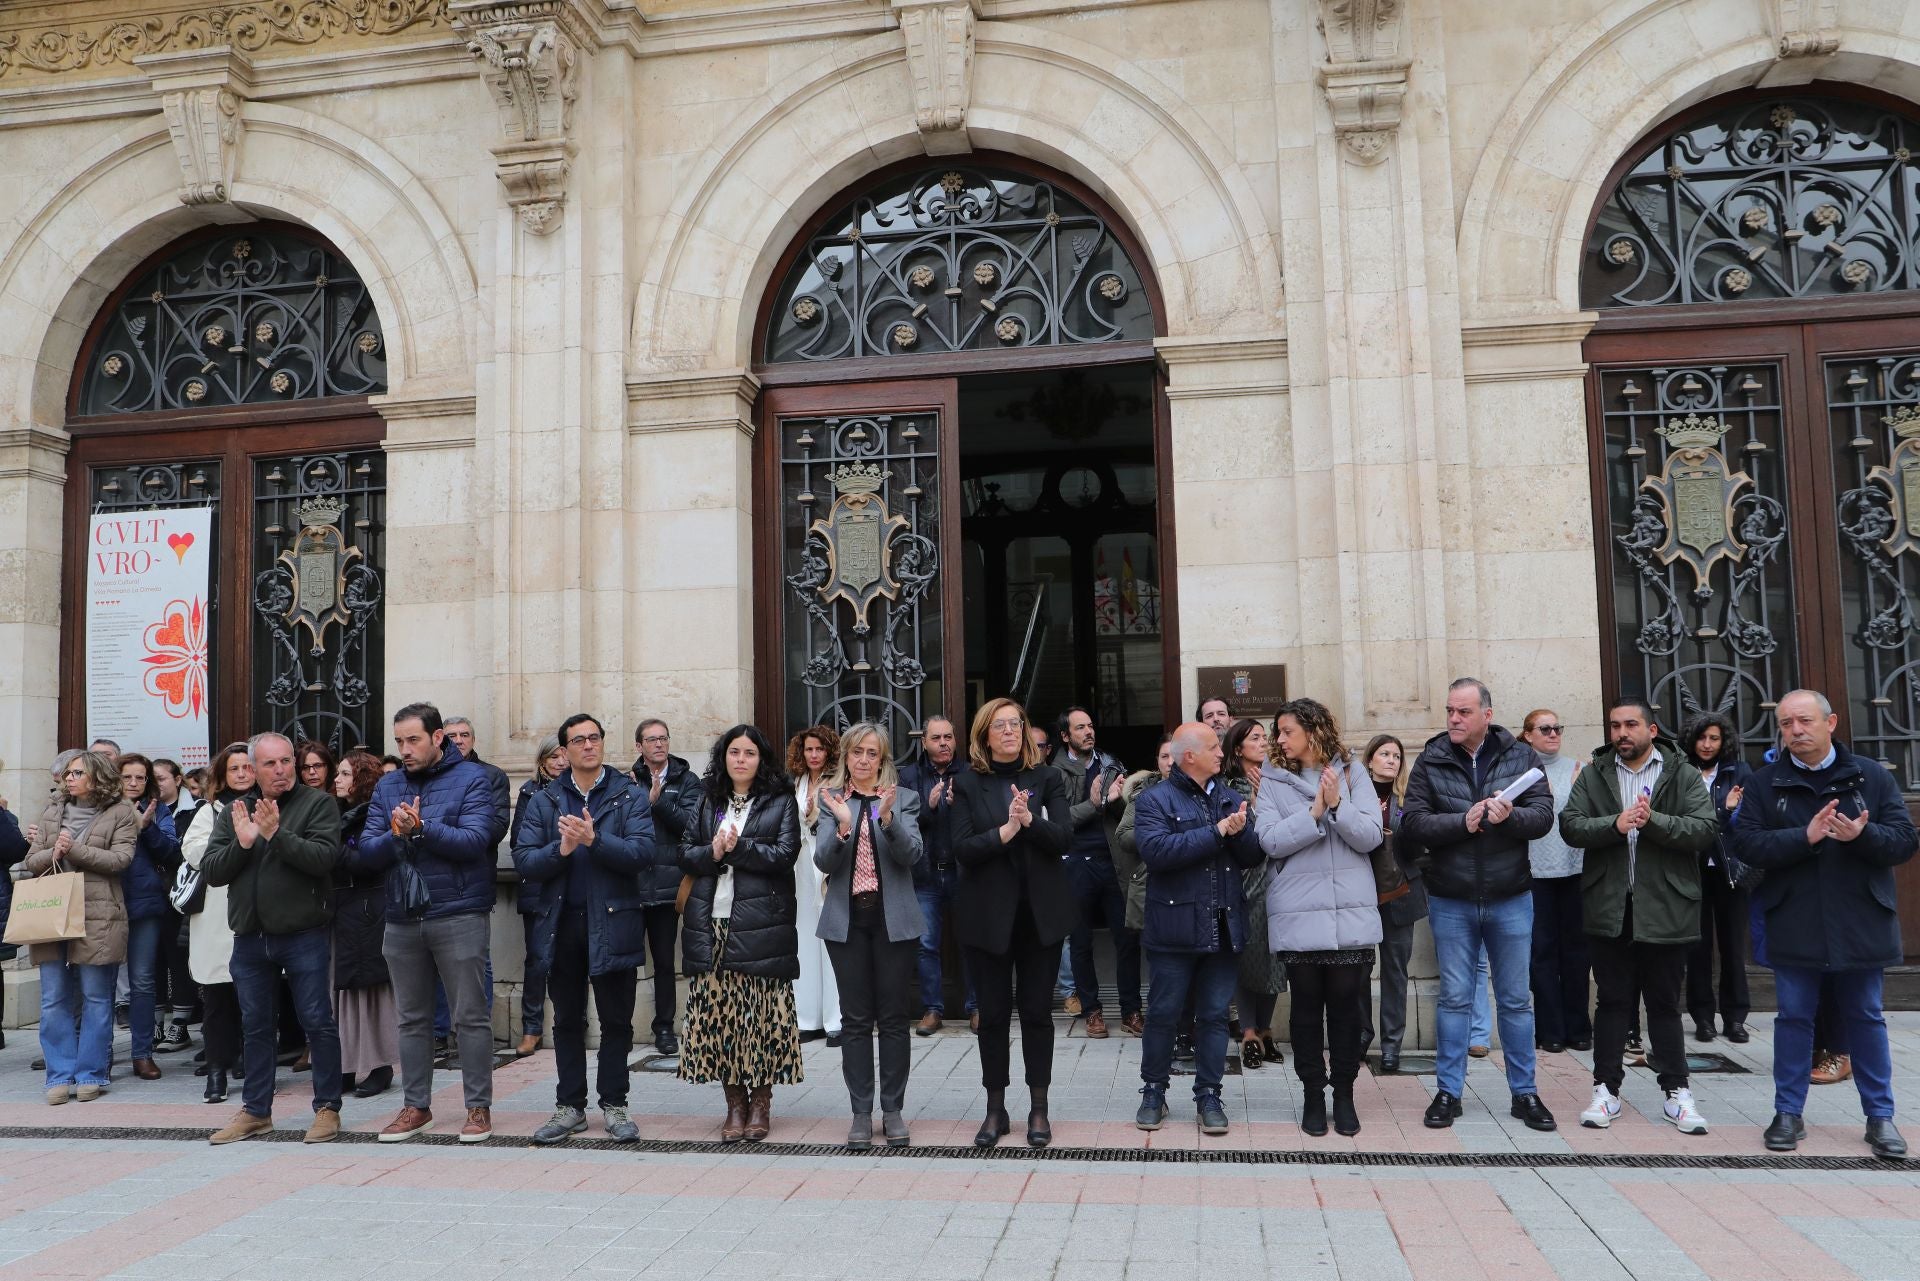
pixel 318 544
pixel 956 260
pixel 861 605
pixel 1781 198
pixel 1700 616
pixel 259 315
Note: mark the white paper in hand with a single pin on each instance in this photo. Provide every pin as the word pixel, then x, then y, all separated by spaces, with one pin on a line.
pixel 1511 792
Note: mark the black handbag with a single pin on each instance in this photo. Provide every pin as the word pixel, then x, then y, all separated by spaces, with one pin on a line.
pixel 189 892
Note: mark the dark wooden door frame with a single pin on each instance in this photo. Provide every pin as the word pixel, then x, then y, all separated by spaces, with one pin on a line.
pixel 234 438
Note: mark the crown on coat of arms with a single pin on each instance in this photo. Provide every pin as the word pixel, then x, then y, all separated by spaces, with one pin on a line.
pixel 320 511
pixel 858 478
pixel 1693 432
pixel 1905 421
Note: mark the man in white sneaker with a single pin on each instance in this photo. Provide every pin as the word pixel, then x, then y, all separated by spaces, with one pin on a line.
pixel 1642 815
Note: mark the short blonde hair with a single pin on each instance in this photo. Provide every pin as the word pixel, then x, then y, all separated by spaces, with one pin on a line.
pixel 980 755
pixel 855 735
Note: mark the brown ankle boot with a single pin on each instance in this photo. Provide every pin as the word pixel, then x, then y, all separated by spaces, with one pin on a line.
pixel 734 1128
pixel 759 1113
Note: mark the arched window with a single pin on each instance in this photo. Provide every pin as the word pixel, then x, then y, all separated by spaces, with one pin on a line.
pixel 957 259
pixel 1769 198
pixel 223 390
pixel 1755 416
pixel 258 315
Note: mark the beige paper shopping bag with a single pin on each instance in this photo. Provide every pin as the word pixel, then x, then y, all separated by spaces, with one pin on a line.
pixel 49 909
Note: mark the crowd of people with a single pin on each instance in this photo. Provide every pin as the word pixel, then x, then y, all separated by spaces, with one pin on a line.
pixel 343 906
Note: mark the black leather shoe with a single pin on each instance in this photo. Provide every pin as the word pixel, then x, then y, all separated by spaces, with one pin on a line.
pixel 1785 1133
pixel 1551 1047
pixel 1313 1111
pixel 1885 1140
pixel 1531 1110
pixel 1703 1030
pixel 1738 1034
pixel 668 1044
pixel 1039 1130
pixel 1346 1120
pixel 1582 1044
pixel 377 1082
pixel 1389 1065
pixel 1442 1111
pixel 835 1040
pixel 993 1129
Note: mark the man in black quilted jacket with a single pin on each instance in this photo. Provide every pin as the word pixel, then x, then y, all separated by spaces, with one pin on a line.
pixel 1479 888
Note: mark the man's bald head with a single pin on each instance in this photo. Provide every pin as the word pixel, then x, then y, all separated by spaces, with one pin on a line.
pixel 1196 751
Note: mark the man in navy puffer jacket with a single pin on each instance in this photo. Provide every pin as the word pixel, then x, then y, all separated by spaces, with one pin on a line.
pixel 435 825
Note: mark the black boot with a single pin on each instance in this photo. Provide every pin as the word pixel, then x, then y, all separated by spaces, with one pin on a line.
pixel 1345 1119
pixel 216 1085
pixel 1313 1110
pixel 1039 1133
pixel 378 1081
pixel 995 1127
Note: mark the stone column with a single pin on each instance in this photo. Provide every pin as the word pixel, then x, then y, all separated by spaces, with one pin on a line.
pixel 33 482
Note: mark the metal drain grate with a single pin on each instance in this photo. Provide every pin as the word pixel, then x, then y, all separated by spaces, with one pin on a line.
pixel 1010 1152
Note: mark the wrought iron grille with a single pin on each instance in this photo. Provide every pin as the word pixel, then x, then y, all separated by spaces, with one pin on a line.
pixel 863 607
pixel 1873 405
pixel 1778 198
pixel 135 487
pixel 956 260
pixel 259 315
pixel 1696 497
pixel 319 547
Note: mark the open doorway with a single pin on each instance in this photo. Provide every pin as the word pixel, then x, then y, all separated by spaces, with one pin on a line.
pixel 1061 562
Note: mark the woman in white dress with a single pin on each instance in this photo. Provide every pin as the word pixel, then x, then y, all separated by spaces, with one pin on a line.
pixel 812 755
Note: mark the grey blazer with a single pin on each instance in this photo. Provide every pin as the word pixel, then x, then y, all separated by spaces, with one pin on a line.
pixel 896 848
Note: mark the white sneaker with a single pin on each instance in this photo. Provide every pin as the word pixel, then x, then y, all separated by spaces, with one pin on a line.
pixel 1680 1110
pixel 1601 1112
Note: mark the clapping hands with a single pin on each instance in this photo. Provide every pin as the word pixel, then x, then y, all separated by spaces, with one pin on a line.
pixel 575 832
pixel 1830 822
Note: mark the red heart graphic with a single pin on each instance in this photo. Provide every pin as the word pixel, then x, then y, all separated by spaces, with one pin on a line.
pixel 173 634
pixel 180 543
pixel 173 685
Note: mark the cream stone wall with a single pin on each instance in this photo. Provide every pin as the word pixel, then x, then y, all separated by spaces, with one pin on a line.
pixel 1365 219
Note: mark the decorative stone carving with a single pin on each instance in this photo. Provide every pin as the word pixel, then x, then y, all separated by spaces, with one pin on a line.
pixel 1804 28
pixel 201 92
pixel 1364 77
pixel 939 36
pixel 529 54
pixel 248 28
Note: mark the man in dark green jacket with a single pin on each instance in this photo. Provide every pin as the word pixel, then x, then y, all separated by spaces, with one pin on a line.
pixel 275 849
pixel 1642 815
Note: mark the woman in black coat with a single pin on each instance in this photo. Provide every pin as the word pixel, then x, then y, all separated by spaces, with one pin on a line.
pixel 1713 747
pixel 362 989
pixel 549 760
pixel 1012 908
pixel 740 947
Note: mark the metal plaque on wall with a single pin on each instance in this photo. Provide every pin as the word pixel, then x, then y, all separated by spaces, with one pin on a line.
pixel 1257 690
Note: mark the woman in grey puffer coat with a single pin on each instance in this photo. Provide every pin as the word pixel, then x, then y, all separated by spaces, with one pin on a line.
pixel 1318 820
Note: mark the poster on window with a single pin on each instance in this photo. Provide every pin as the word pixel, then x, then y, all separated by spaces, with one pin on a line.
pixel 147 587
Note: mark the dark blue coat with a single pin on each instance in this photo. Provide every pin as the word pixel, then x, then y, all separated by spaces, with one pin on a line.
pixel 1193 872
pixel 145 883
pixel 1829 906
pixel 531 898
pixel 461 826
pixel 1730 774
pixel 615 864
pixel 936 821
pixel 679 798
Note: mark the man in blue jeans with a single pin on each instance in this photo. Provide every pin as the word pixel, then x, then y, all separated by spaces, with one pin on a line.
pixel 933 778
pixel 1195 838
pixel 1094 780
pixel 1829 826
pixel 275 850
pixel 1479 889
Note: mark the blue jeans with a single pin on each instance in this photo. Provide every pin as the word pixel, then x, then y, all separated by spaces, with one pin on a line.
pixel 1504 927
pixel 934 894
pixel 1856 998
pixel 1482 1004
pixel 76 1021
pixel 307 960
pixel 1210 977
pixel 143 964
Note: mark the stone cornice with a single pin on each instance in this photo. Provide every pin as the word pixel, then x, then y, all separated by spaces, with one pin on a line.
pixel 430 405
pixel 1525 351
pixel 1177 351
pixel 34 453
pixel 56 442
pixel 693 401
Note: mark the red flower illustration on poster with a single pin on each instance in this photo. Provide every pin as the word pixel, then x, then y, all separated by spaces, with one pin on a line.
pixel 177 658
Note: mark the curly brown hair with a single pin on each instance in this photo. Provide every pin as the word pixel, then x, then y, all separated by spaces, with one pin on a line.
pixel 366 772
pixel 797 750
pixel 1322 732
pixel 103 778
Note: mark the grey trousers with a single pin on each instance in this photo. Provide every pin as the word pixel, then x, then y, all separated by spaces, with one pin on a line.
pixel 452 950
pixel 1396 949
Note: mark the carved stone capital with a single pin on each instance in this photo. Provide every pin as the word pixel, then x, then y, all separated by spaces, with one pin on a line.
pixel 1804 28
pixel 534 175
pixel 529 53
pixel 939 35
pixel 202 92
pixel 1365 99
pixel 1360 30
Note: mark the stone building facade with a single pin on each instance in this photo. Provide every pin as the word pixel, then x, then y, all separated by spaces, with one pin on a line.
pixel 1363 235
